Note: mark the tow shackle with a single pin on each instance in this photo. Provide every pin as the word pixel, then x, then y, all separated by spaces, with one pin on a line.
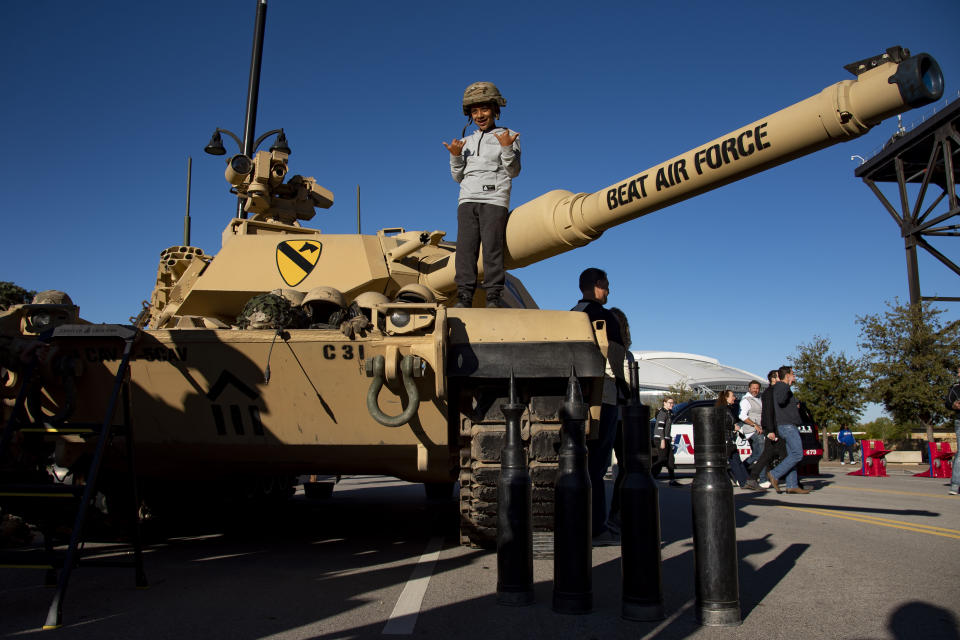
pixel 406 370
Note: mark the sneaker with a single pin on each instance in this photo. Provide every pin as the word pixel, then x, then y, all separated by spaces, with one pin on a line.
pixel 843 463
pixel 752 485
pixel 953 491
pixel 765 484
pixel 606 539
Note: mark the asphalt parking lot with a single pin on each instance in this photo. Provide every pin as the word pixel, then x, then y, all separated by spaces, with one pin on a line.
pixel 856 558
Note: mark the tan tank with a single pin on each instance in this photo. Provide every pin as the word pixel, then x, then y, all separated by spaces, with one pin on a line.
pixel 416 392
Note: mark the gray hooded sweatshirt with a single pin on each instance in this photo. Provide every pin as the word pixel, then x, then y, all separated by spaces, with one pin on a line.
pixel 485 169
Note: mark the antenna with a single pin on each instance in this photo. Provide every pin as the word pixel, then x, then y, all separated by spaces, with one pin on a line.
pixel 358 209
pixel 186 218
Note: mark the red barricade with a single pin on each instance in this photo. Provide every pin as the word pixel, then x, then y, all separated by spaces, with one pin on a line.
pixel 941 461
pixel 872 459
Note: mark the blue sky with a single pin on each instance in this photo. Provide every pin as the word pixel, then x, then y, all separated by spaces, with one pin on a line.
pixel 104 101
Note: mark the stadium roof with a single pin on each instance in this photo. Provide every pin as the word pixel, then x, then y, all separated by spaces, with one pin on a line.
pixel 659 370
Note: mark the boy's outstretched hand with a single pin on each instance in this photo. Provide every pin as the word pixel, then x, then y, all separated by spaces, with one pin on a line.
pixel 455 147
pixel 506 139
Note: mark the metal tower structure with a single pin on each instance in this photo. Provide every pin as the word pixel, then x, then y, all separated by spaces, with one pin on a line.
pixel 927 155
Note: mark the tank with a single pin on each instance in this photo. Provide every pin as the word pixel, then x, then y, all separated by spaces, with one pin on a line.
pixel 416 393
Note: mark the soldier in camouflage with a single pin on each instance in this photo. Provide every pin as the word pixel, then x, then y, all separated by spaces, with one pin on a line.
pixel 17 352
pixel 52 296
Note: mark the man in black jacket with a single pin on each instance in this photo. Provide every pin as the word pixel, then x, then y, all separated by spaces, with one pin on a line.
pixel 768 421
pixel 594 290
pixel 663 440
pixel 788 422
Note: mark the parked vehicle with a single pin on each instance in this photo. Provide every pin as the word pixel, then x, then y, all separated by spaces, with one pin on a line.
pixel 683 444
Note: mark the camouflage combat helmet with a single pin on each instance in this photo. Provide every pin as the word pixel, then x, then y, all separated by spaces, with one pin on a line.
pixel 415 292
pixel 324 294
pixel 51 296
pixel 367 300
pixel 265 311
pixel 324 307
pixel 482 93
pixel 293 296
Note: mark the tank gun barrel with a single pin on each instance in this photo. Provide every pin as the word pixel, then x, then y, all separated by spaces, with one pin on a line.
pixel 558 221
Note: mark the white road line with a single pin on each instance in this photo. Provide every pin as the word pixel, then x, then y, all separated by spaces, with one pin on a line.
pixel 226 556
pixel 405 612
pixel 655 632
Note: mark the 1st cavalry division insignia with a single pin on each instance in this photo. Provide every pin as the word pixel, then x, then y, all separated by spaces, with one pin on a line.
pixel 296 259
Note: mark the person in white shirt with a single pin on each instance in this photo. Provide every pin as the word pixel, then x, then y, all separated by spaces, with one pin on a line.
pixel 751 410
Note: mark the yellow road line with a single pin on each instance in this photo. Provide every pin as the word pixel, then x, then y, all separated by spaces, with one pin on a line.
pixel 907 526
pixel 880 519
pixel 901 493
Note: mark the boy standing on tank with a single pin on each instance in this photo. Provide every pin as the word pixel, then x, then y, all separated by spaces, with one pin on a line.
pixel 484 164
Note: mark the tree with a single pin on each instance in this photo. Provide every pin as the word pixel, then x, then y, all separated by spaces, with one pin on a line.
pixel 11 294
pixel 911 359
pixel 680 391
pixel 883 428
pixel 831 385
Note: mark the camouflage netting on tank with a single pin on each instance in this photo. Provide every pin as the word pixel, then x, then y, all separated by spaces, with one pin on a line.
pixel 267 311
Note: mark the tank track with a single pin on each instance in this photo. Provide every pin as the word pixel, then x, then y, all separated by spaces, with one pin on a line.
pixel 480 446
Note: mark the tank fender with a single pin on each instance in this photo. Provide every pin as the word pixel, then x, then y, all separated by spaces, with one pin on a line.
pixel 492 343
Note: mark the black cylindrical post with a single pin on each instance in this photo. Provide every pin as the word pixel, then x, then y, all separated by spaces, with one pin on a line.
pixel 640 559
pixel 514 513
pixel 253 89
pixel 714 526
pixel 572 542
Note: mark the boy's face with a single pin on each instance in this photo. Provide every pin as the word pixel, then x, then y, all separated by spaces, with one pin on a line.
pixel 483 115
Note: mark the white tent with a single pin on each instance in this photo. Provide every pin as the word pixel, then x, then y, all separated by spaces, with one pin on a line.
pixel 659 370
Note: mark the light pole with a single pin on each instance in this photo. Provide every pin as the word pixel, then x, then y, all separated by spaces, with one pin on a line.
pixel 248 146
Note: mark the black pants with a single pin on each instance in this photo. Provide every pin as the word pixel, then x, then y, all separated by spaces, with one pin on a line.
pixel 736 465
pixel 665 456
pixel 618 481
pixel 771 450
pixel 846 449
pixel 480 223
